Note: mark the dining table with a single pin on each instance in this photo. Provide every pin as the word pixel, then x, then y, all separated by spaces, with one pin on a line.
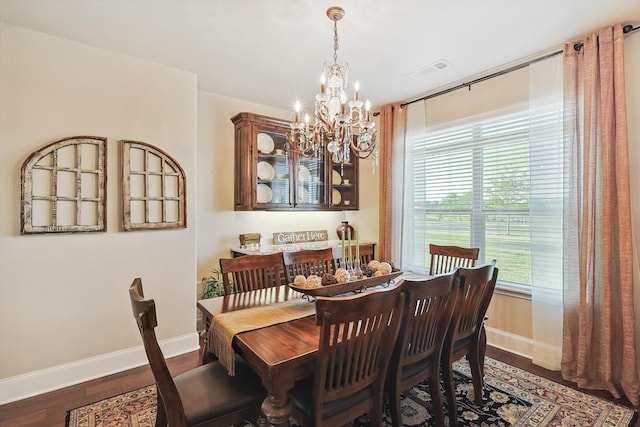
pixel 280 353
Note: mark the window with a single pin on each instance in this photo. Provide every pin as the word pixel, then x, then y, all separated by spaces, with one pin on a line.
pixel 493 182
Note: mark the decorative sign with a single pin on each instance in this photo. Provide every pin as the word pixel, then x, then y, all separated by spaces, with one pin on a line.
pixel 249 239
pixel 300 237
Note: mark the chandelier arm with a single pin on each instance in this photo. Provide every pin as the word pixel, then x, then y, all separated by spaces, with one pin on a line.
pixel 362 154
pixel 327 124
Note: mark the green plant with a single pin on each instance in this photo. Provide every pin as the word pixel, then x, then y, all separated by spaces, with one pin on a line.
pixel 212 285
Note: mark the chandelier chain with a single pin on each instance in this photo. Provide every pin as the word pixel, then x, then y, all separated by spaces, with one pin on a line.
pixel 335 40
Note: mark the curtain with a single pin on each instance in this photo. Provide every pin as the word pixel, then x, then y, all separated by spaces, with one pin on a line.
pixel 545 210
pixel 392 128
pixel 599 349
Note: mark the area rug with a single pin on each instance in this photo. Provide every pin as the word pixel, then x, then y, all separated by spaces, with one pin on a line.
pixel 512 397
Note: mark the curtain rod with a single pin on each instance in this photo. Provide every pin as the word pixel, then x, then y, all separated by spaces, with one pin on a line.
pixel 626 29
pixel 481 79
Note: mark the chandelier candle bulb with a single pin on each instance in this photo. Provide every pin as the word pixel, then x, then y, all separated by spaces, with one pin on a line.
pixel 323 80
pixel 297 108
pixel 356 88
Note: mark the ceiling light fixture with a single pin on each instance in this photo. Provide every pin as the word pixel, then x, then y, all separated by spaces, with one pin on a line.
pixel 340 126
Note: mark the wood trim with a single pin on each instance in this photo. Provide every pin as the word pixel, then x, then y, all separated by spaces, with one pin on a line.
pixel 56 196
pixel 168 167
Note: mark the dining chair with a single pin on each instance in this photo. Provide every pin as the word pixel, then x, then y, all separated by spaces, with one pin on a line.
pixel 251 272
pixel 446 258
pixel 357 334
pixel 366 254
pixel 205 395
pixel 428 310
pixel 307 262
pixel 466 336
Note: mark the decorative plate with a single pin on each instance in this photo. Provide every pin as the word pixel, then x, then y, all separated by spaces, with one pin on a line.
pixel 343 288
pixel 336 196
pixel 303 174
pixel 266 171
pixel 336 179
pixel 265 143
pixel 263 193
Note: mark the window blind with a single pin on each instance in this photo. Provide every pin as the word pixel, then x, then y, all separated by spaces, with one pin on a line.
pixel 494 183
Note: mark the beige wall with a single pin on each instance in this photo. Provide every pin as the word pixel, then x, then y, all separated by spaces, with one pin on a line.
pixel 219 225
pixel 502 92
pixel 63 298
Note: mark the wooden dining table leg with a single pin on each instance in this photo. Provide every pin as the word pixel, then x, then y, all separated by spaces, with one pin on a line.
pixel 277 408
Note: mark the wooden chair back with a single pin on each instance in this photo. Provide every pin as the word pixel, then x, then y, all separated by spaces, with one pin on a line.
pixel 427 315
pixel 144 312
pixel 205 395
pixel 447 258
pixel 478 285
pixel 307 262
pixel 466 335
pixel 357 334
pixel 251 272
pixel 366 254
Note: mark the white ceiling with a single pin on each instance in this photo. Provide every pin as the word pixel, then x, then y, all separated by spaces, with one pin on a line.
pixel 271 51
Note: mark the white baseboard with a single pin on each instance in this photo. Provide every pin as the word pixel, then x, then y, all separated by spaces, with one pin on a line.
pixel 57 377
pixel 548 356
pixel 512 343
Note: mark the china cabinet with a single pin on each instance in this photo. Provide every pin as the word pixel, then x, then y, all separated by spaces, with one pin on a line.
pixel 270 177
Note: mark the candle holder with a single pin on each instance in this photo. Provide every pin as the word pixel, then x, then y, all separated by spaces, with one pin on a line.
pixel 349 267
pixel 357 271
pixel 343 275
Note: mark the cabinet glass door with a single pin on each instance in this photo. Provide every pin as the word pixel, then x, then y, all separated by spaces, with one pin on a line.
pixel 343 185
pixel 273 174
pixel 310 185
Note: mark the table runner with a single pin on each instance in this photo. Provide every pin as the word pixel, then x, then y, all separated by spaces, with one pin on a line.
pixel 225 326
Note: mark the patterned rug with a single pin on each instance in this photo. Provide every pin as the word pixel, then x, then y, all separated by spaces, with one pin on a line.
pixel 512 397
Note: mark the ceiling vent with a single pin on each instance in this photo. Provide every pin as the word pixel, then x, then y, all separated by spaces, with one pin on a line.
pixel 423 72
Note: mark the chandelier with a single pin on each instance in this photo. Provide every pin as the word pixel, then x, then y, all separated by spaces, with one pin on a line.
pixel 340 125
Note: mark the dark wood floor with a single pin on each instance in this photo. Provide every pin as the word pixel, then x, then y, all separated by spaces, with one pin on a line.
pixel 49 410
